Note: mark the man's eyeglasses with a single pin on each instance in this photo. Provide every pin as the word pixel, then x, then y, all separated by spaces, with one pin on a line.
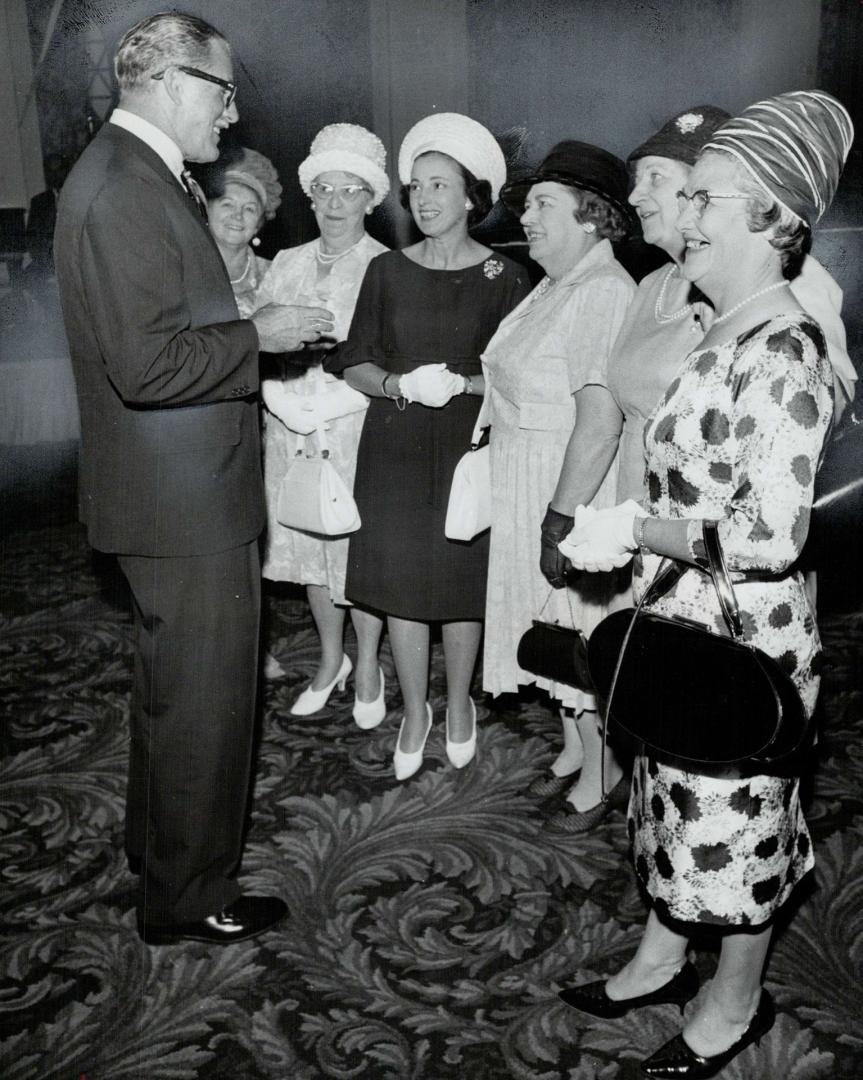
pixel 349 192
pixel 701 199
pixel 229 89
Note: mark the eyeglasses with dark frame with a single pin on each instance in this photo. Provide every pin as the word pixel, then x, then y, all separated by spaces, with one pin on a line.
pixel 229 89
pixel 700 200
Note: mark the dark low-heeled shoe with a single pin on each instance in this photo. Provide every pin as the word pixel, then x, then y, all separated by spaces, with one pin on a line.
pixel 570 820
pixel 677 1059
pixel 592 998
pixel 550 784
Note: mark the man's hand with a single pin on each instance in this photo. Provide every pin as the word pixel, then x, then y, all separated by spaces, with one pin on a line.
pixel 286 327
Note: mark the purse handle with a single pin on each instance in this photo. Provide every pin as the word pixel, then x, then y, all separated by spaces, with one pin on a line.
pixel 323 444
pixel 669 572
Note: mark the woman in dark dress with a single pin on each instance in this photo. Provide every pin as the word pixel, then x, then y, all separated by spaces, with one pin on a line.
pixel 422 319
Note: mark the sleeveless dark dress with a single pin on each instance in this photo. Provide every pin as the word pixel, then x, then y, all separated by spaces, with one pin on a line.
pixel 400 562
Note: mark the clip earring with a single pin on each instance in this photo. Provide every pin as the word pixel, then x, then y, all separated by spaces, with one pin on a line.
pixel 256 241
pixel 468 205
pixel 589 227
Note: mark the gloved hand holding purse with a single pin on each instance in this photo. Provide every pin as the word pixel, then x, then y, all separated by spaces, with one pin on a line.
pixel 296 411
pixel 431 384
pixel 602 540
pixel 552 562
pixel 338 399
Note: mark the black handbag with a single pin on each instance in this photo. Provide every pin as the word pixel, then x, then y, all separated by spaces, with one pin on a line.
pixel 555 652
pixel 689 692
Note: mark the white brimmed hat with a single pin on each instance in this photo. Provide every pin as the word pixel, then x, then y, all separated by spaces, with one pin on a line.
pixel 463 139
pixel 347 148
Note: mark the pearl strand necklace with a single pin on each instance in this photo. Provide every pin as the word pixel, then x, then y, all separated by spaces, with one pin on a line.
pixel 325 258
pixel 236 281
pixel 659 314
pixel 748 300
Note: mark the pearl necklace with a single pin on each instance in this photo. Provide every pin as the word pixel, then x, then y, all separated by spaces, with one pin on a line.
pixel 325 258
pixel 236 281
pixel 659 314
pixel 748 300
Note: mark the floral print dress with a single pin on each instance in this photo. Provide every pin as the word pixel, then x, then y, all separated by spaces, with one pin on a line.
pixel 737 438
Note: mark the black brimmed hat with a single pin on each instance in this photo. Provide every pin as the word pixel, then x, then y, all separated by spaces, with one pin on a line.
pixel 578 165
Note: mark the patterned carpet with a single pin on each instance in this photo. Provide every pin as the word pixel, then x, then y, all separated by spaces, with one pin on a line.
pixel 431 922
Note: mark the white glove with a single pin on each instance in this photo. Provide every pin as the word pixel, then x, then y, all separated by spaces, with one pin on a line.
pixel 431 384
pixel 339 399
pixel 296 411
pixel 602 540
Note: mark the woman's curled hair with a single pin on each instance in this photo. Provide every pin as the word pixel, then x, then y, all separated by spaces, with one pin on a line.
pixel 611 223
pixel 792 237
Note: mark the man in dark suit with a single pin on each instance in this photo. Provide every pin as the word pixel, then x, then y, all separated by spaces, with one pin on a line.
pixel 170 476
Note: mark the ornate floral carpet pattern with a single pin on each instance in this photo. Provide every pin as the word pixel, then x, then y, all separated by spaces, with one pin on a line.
pixel 432 922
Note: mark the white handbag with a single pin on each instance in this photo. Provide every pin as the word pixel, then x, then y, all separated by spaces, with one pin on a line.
pixel 313 497
pixel 468 511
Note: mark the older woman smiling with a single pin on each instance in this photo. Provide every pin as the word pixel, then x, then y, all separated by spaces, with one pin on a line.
pixel 736 440
pixel 240 199
pixel 344 177
pixel 553 437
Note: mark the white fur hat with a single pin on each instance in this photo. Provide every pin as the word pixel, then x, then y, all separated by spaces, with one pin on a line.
pixel 472 146
pixel 347 148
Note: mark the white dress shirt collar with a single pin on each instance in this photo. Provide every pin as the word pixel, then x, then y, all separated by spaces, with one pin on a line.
pixel 154 137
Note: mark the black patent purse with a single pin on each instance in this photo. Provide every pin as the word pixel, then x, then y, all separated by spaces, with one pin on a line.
pixel 554 652
pixel 688 692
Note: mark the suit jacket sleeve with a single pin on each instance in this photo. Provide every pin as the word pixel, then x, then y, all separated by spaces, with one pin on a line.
pixel 132 270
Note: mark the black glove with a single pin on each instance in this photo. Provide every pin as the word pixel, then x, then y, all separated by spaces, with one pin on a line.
pixel 553 564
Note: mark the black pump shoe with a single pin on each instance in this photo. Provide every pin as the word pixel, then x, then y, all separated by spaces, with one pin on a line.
pixel 677 1059
pixel 592 998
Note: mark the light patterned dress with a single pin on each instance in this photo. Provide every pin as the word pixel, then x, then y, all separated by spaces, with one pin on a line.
pixel 556 342
pixel 737 438
pixel 291 555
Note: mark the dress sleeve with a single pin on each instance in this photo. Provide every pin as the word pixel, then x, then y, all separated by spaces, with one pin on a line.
pixel 782 412
pixel 593 328
pixel 364 343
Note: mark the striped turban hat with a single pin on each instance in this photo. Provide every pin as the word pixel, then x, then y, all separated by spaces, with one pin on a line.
pixel 794 145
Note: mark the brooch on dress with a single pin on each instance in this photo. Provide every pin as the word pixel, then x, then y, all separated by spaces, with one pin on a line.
pixel 492 268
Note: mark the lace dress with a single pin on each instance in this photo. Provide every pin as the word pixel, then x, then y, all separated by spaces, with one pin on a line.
pixel 289 554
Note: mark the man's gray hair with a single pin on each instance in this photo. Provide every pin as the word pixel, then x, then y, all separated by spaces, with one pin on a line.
pixel 159 41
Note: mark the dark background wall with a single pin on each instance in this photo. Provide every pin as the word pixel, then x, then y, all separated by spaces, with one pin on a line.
pixel 534 71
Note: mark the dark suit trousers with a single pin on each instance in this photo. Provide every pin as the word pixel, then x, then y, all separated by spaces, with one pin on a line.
pixel 192 726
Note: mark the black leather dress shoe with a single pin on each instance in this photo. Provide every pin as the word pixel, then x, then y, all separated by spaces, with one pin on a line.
pixel 245 918
pixel 135 864
pixel 592 998
pixel 677 1059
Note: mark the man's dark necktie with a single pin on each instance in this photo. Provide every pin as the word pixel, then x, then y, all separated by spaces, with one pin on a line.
pixel 193 190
